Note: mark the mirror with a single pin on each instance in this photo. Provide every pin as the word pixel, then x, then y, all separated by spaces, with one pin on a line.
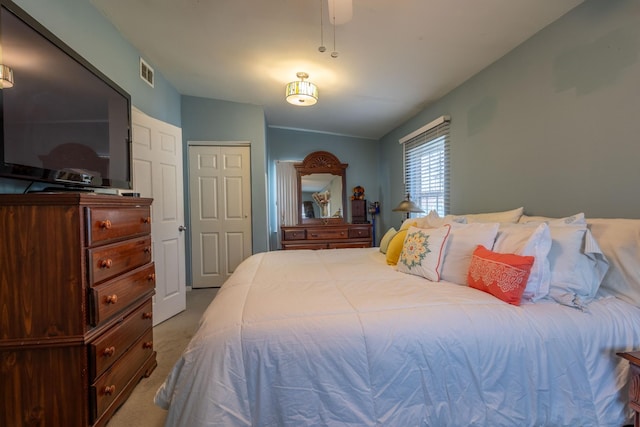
pixel 321 189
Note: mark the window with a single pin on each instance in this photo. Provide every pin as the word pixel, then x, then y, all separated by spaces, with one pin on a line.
pixel 426 166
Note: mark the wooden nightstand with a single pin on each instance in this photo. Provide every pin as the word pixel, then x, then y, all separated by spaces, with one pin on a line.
pixel 634 383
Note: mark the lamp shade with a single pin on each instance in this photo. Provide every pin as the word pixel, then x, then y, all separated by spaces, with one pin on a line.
pixel 6 76
pixel 407 206
pixel 301 93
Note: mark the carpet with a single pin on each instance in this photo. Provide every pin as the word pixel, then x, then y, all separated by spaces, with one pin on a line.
pixel 170 338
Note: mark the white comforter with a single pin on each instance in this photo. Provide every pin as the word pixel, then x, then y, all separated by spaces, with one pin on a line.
pixel 338 338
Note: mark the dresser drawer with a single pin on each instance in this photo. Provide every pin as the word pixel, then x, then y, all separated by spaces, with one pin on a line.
pixel 327 233
pixel 299 234
pixel 305 245
pixel 107 387
pixel 111 260
pixel 109 298
pixel 355 232
pixel 107 224
pixel 347 245
pixel 104 351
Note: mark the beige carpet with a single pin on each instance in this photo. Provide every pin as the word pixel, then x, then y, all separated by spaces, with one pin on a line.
pixel 169 338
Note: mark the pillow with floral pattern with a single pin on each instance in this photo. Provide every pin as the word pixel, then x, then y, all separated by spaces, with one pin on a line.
pixel 422 252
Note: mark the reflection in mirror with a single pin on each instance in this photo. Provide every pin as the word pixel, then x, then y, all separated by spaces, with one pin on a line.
pixel 321 189
pixel 321 196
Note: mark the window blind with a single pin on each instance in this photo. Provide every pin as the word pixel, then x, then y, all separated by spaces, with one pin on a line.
pixel 426 166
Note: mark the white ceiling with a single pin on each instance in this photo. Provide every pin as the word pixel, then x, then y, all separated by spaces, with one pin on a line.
pixel 395 56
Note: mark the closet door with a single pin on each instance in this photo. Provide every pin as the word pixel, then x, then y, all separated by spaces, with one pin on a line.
pixel 220 206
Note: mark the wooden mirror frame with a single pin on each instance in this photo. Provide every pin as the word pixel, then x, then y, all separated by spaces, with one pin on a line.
pixel 321 162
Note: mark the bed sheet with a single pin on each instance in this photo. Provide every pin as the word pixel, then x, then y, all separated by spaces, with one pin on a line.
pixel 337 337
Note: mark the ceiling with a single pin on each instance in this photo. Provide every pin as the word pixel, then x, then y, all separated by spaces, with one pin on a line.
pixel 395 56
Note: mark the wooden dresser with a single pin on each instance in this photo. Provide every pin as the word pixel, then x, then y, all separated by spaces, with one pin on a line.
pixel 330 236
pixel 76 282
pixel 634 384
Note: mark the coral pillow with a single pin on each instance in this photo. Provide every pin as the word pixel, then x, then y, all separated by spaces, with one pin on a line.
pixel 395 247
pixel 422 252
pixel 501 275
pixel 528 239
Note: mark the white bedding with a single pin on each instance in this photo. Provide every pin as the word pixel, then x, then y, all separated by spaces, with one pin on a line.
pixel 337 337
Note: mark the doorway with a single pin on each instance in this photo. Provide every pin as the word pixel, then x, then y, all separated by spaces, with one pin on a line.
pixel 220 210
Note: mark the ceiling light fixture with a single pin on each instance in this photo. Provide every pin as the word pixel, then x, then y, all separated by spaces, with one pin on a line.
pixel 301 93
pixel 6 76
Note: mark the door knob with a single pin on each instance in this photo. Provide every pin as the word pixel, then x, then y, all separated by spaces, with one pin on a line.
pixel 182 228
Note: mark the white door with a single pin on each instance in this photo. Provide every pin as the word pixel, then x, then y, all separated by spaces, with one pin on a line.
pixel 220 202
pixel 157 173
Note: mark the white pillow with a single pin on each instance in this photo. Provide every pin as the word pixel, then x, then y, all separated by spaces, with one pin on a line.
pixel 573 219
pixel 433 220
pixel 577 265
pixel 504 216
pixel 422 252
pixel 620 242
pixel 528 239
pixel 463 240
pixel 384 242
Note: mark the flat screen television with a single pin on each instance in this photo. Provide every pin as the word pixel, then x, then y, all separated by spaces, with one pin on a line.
pixel 63 121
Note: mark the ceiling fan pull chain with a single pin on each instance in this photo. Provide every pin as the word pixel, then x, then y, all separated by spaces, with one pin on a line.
pixel 321 48
pixel 334 54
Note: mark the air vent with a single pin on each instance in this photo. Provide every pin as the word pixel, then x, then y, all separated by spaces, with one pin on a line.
pixel 146 72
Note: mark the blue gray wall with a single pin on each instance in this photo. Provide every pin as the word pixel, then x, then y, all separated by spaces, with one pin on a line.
pixel 205 119
pixel 553 126
pixel 361 154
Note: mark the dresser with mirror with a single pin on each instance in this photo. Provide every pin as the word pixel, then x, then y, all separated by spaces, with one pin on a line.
pixel 322 201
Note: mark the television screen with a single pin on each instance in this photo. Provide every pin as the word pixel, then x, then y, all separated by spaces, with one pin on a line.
pixel 63 121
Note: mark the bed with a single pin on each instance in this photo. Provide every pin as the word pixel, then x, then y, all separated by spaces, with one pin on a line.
pixel 342 338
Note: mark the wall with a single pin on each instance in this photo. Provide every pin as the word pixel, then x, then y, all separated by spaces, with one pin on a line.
pixel 206 119
pixel 552 126
pixel 360 153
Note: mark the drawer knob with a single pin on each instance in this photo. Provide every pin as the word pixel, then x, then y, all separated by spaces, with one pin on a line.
pixel 147 220
pixel 147 344
pixel 634 389
pixel 314 235
pixel 151 277
pixel 109 390
pixel 147 249
pixel 106 263
pixel 147 315
pixel 105 225
pixel 109 351
pixel 112 299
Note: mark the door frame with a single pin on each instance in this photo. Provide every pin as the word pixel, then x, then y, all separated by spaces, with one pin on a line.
pixel 187 196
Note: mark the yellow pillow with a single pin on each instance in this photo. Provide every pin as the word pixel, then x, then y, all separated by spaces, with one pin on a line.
pixel 395 247
pixel 409 222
